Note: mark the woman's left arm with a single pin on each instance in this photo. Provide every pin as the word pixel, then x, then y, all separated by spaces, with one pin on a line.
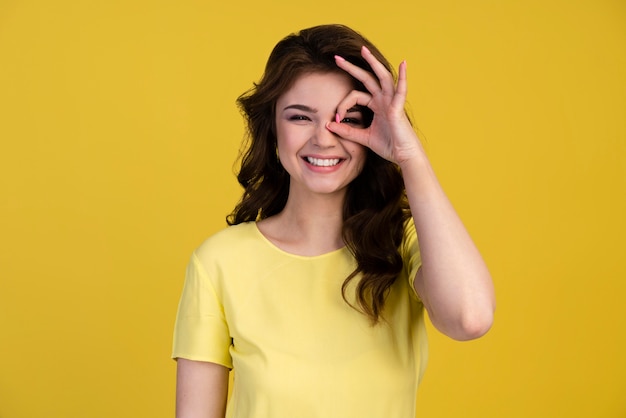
pixel 453 282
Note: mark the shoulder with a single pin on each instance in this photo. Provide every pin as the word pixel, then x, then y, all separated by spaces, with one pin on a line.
pixel 225 253
pixel 233 233
pixel 230 240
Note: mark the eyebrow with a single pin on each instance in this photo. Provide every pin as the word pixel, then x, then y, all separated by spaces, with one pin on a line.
pixel 302 107
pixel 306 108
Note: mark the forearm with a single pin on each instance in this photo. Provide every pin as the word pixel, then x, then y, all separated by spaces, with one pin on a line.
pixel 454 281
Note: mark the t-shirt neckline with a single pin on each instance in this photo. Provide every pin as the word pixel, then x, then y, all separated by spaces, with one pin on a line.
pixel 288 254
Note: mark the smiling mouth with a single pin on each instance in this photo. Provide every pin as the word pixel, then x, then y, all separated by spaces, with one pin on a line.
pixel 323 162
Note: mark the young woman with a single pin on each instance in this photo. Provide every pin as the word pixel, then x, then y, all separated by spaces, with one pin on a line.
pixel 315 294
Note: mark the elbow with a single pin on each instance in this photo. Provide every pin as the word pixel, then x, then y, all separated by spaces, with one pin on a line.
pixel 476 317
pixel 475 326
pixel 467 326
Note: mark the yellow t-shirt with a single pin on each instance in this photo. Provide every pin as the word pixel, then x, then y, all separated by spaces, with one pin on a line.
pixel 296 348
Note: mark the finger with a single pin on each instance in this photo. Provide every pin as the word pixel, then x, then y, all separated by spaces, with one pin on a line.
pixel 384 76
pixel 369 81
pixel 401 89
pixel 353 99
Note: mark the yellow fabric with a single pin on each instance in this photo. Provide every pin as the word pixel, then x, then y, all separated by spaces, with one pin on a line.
pixel 297 348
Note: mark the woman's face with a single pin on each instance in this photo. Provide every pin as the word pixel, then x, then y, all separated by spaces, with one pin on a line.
pixel 317 160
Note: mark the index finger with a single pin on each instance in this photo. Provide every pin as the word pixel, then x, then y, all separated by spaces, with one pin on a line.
pixel 369 81
pixel 383 79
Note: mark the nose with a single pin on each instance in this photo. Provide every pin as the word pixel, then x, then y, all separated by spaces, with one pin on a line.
pixel 323 138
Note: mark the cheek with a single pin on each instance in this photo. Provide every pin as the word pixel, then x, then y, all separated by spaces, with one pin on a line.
pixel 282 142
pixel 286 136
pixel 359 155
pixel 288 143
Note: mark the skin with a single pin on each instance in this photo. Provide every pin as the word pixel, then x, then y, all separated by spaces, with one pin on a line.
pixel 301 117
pixel 453 282
pixel 310 223
pixel 201 389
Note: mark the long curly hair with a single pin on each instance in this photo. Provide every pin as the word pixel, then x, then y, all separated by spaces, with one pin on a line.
pixel 375 208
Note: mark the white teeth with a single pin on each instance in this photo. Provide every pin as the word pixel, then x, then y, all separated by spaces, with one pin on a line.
pixel 320 162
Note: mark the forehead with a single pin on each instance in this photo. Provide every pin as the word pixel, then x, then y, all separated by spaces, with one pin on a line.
pixel 317 89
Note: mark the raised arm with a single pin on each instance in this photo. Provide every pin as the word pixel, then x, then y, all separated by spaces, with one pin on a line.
pixel 453 282
pixel 201 389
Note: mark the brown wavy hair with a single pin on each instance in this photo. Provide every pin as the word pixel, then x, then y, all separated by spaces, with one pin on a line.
pixel 375 208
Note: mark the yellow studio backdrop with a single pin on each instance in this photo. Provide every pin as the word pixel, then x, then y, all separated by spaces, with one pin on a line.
pixel 118 134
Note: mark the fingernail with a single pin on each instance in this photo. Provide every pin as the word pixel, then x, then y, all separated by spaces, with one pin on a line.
pixel 365 49
pixel 337 117
pixel 338 58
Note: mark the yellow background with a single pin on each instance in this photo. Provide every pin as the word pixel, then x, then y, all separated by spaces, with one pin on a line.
pixel 118 134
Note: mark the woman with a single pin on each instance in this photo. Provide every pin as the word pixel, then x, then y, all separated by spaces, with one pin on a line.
pixel 315 294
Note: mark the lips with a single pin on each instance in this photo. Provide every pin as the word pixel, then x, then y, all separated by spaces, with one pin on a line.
pixel 322 162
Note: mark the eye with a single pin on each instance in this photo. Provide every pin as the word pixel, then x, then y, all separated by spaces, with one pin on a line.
pixel 299 118
pixel 352 121
pixel 354 117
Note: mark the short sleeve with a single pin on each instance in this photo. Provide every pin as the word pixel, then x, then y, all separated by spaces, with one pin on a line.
pixel 410 253
pixel 201 332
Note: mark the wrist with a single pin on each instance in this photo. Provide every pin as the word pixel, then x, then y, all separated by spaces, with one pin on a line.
pixel 413 161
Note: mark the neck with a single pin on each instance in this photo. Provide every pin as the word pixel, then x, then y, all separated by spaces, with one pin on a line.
pixel 310 226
